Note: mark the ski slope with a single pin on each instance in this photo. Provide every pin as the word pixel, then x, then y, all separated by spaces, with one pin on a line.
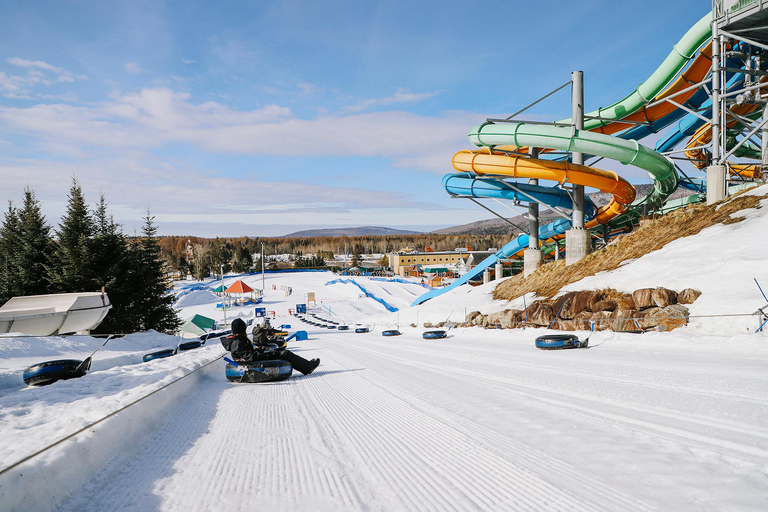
pixel 478 421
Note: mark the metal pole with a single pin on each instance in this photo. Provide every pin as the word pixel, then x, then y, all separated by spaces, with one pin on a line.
pixel 224 302
pixel 533 211
pixel 715 93
pixel 577 116
pixel 764 142
pixel 263 286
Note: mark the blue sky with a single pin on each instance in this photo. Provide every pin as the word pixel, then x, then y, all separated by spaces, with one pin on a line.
pixel 257 118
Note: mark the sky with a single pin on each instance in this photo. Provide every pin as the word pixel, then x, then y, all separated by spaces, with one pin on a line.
pixel 251 118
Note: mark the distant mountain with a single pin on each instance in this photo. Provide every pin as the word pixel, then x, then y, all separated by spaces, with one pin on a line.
pixel 496 226
pixel 359 231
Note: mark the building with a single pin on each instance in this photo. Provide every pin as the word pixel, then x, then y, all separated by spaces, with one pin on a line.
pixel 404 263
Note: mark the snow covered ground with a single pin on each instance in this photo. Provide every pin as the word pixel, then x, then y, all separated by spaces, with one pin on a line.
pixel 481 420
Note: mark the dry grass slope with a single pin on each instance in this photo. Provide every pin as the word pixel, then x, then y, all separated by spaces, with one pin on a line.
pixel 550 278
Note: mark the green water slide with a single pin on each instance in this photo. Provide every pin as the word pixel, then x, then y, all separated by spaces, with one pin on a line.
pixel 565 138
pixel 681 54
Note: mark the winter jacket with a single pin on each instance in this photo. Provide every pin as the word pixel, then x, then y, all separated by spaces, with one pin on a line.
pixel 239 345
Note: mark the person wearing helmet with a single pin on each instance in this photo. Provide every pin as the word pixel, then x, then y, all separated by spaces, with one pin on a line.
pixel 261 333
pixel 242 349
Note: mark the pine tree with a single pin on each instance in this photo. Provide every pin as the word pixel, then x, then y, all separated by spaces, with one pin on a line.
pixel 114 270
pixel 71 269
pixel 154 302
pixel 10 239
pixel 33 253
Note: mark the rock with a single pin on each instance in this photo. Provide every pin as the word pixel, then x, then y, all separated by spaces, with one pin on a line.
pixel 605 305
pixel 478 319
pixel 564 325
pixel 643 298
pixel 440 324
pixel 688 296
pixel 663 297
pixel 625 304
pixel 471 317
pixel 672 317
pixel 413 325
pixel 649 318
pixel 603 320
pixel 583 321
pixel 562 306
pixel 494 319
pixel 540 313
pixel 573 303
pixel 427 324
pixel 624 320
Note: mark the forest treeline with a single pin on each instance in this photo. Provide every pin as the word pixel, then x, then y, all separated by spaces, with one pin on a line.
pixel 86 252
pixel 211 256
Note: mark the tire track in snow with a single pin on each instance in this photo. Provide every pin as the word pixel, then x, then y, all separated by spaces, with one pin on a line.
pixel 542 394
pixel 539 470
pixel 407 446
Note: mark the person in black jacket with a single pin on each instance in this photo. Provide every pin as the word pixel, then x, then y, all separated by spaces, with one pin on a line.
pixel 242 349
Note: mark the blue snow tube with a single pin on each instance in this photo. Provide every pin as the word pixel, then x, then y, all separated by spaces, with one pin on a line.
pixel 49 372
pixel 392 332
pixel 362 329
pixel 343 327
pixel 434 335
pixel 189 345
pixel 168 352
pixel 272 370
pixel 558 341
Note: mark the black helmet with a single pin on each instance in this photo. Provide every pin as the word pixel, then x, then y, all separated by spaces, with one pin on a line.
pixel 238 326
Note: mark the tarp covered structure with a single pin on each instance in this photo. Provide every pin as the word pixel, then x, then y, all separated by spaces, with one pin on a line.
pixel 219 289
pixel 238 287
pixel 198 324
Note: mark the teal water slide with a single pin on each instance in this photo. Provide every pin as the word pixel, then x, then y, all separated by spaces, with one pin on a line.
pixel 565 138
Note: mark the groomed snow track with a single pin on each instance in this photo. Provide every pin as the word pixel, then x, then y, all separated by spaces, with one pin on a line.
pixel 404 424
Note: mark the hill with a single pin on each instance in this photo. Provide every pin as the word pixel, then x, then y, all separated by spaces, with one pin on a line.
pixel 496 226
pixel 358 231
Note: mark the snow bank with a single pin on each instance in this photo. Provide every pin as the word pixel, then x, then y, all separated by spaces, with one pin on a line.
pixel 196 298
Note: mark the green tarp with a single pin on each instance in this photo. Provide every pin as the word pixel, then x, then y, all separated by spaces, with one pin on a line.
pixel 219 289
pixel 198 324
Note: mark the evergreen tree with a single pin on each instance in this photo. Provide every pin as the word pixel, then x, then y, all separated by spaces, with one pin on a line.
pixel 356 257
pixel 115 271
pixel 153 302
pixel 10 239
pixel 71 269
pixel 243 260
pixel 33 254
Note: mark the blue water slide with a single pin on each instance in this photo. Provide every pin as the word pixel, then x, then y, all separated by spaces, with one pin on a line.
pixel 466 185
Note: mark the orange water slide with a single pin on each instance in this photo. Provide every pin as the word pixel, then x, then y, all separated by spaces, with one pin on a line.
pixel 487 161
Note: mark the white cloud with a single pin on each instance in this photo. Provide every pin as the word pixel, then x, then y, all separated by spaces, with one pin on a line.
pixel 401 96
pixel 158 116
pixel 133 68
pixel 37 73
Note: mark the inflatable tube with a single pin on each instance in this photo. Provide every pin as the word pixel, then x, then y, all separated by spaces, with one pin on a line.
pixel 434 335
pixel 362 329
pixel 343 327
pixel 392 332
pixel 158 355
pixel 272 370
pixel 189 345
pixel 558 342
pixel 331 326
pixel 49 372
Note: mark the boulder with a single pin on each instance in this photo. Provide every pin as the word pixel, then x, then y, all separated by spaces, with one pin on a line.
pixel 688 296
pixel 643 298
pixel 413 325
pixel 471 317
pixel 603 320
pixel 625 304
pixel 573 303
pixel 663 297
pixel 427 324
pixel 540 313
pixel 564 325
pixel 624 321
pixel 478 319
pixel 562 306
pixel 604 305
pixel 672 317
pixel 649 318
pixel 583 321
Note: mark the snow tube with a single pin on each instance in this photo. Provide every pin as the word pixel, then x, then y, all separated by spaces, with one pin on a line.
pixel 392 332
pixel 189 345
pixel 272 370
pixel 158 355
pixel 558 342
pixel 343 327
pixel 51 371
pixel 362 329
pixel 331 327
pixel 434 335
